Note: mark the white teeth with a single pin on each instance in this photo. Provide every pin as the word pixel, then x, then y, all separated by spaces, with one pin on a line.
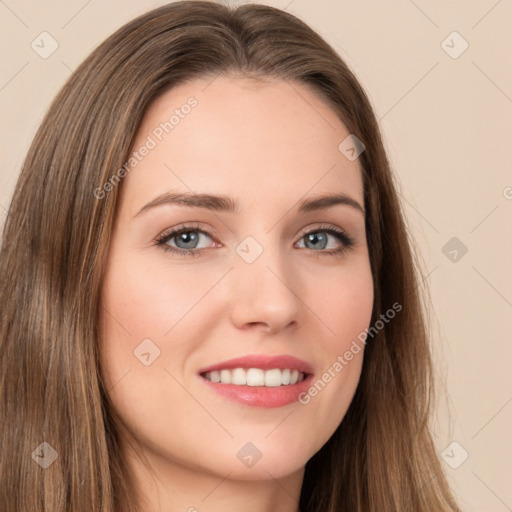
pixel 239 377
pixel 273 377
pixel 225 376
pixel 256 377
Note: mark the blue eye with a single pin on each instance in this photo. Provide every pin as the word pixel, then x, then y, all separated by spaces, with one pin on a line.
pixel 319 240
pixel 186 239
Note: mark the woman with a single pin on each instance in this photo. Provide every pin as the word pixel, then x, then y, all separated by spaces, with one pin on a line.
pixel 209 299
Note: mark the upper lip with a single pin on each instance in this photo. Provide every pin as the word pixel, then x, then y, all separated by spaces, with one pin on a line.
pixel 262 361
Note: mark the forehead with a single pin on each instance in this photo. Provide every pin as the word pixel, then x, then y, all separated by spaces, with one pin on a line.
pixel 252 140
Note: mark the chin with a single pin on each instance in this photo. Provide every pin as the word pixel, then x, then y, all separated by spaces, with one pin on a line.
pixel 265 459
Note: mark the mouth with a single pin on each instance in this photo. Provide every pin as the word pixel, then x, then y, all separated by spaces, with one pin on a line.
pixel 260 381
pixel 274 377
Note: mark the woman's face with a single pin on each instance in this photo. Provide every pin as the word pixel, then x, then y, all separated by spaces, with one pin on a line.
pixel 260 271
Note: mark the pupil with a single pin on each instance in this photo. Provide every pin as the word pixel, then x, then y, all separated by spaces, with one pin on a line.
pixel 188 238
pixel 319 239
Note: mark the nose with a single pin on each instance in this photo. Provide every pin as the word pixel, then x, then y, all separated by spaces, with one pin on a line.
pixel 263 295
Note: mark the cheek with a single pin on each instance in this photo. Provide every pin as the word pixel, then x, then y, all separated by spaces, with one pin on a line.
pixel 344 304
pixel 148 300
pixel 142 302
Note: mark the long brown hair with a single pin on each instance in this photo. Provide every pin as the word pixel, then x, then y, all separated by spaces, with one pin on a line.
pixel 55 243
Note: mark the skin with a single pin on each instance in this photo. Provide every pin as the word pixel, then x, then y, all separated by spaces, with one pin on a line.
pixel 267 145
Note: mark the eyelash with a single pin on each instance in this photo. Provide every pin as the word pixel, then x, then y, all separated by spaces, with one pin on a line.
pixel 347 241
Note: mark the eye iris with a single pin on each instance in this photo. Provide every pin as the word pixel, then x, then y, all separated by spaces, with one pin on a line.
pixel 188 238
pixel 318 239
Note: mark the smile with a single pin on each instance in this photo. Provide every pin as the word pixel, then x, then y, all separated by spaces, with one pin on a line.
pixel 259 380
pixel 256 377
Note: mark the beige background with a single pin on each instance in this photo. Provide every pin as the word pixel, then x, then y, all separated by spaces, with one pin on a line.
pixel 447 124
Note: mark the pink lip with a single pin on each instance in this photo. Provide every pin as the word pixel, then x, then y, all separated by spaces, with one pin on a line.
pixel 260 396
pixel 263 362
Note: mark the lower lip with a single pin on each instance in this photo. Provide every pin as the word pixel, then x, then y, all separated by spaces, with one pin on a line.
pixel 261 396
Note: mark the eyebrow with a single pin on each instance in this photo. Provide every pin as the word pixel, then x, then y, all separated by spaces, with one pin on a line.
pixel 229 205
